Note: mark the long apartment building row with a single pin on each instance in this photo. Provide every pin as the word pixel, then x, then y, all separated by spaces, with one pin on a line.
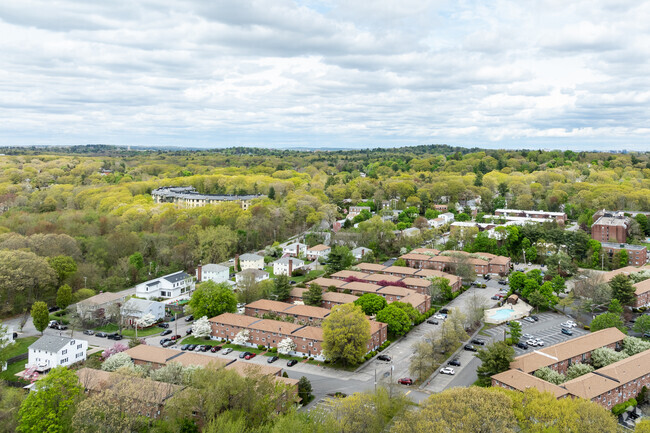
pixel 308 340
pixel 607 386
pixel 430 258
pixel 411 278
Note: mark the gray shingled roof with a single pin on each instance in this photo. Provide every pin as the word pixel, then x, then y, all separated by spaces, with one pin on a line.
pixel 135 304
pixel 50 343
pixel 176 277
pixel 248 257
pixel 285 261
pixel 214 268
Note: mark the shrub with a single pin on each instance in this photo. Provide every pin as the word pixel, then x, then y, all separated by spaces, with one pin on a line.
pixel 587 327
pixel 311 358
pixel 621 407
pixel 274 350
pixel 261 347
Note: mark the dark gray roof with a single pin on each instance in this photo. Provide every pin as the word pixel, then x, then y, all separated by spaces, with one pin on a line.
pixel 50 343
pixel 153 283
pixel 248 256
pixel 214 268
pixel 176 277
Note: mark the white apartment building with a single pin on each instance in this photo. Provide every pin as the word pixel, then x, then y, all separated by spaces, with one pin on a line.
pixel 167 287
pixel 318 251
pixel 295 250
pixel 212 272
pixel 250 261
pixel 286 265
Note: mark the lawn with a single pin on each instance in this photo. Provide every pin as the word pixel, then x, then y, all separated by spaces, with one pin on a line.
pixel 244 348
pixel 281 356
pixel 19 347
pixel 130 332
pixel 194 340
pixel 10 373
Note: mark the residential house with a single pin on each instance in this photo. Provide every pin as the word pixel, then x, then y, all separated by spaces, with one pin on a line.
pixel 256 274
pixel 51 351
pixel 97 306
pixel 295 249
pixel 135 308
pixel 212 272
pixel 286 266
pixel 249 261
pixel 448 217
pixel 173 286
pixel 359 252
pixel 318 251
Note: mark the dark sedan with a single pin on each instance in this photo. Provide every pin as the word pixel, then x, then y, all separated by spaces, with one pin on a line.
pixel 291 363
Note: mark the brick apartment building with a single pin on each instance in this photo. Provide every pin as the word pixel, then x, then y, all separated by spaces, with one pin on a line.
pixel 642 294
pixel 611 227
pixel 637 254
pixel 308 339
pixel 484 263
pixel 304 314
pixel 402 272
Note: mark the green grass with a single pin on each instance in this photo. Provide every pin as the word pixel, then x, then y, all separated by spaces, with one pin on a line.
pixel 194 340
pixel 12 369
pixel 244 348
pixel 131 332
pixel 19 346
pixel 281 356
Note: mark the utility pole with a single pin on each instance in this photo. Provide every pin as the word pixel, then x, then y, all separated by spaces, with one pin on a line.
pixel 375 379
pixel 524 251
pixel 176 323
pixel 602 261
pixel 85 279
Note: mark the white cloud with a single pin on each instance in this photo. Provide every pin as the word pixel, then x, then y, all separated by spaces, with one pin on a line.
pixel 325 72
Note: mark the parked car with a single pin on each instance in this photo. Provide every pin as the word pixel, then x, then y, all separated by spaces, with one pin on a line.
pixel 568 324
pixel 53 323
pixel 487 277
pixel 432 322
pixel 61 327
pixel 192 347
pixel 539 342
pixel 646 335
pixel 89 332
pixel 531 342
pixel 101 335
pixel 188 332
pixel 189 318
pixel 444 311
pixel 529 319
pixel 164 340
pixel 115 336
pixel 503 282
pixel 272 359
pixel 384 358
pixel 567 331
pixel 522 345
pixel 166 332
pixel 215 349
pixel 495 298
pixel 227 350
pixel 53 309
pixel 470 348
pixel 455 362
pixel 447 370
pixel 163 325
pixel 405 381
pixel 440 316
pixel 250 356
pixel 534 317
pixel 175 337
pixel 291 363
pixel 185 346
pixel 527 336
pixel 478 341
pixel 169 343
pixel 204 348
pixel 243 354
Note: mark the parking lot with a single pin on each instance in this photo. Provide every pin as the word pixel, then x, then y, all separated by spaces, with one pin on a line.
pixel 548 329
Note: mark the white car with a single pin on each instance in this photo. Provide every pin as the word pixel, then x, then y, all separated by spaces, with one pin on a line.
pixel 529 319
pixel 539 342
pixel 528 337
pixel 226 351
pixel 447 370
pixel 440 316
pixel 532 343
pixel 568 324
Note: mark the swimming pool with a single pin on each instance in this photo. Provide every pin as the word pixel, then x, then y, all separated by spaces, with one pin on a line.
pixel 502 315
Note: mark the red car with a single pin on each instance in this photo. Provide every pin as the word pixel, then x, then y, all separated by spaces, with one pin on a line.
pixel 405 381
pixel 175 337
pixel 215 349
pixel 250 356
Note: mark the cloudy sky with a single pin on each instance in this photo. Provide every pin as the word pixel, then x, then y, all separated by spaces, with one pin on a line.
pixel 326 73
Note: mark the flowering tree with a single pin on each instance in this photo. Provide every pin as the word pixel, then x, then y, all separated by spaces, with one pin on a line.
pixel 146 321
pixel 201 327
pixel 285 346
pixel 117 361
pixel 242 337
pixel 117 348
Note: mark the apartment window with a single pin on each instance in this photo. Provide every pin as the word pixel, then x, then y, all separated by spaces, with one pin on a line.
pixel 63 352
pixel 64 360
pixel 79 346
pixel 79 355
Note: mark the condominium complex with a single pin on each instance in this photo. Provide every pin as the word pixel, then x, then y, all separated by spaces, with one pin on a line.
pixel 188 197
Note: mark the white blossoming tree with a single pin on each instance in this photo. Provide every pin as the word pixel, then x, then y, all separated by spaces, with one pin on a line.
pixel 117 361
pixel 146 321
pixel 201 327
pixel 285 346
pixel 242 337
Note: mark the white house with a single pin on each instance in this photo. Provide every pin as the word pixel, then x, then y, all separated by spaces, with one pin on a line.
pixel 97 305
pixel 212 272
pixel 258 274
pixel 411 231
pixel 437 222
pixel 448 217
pixel 135 308
pixel 318 251
pixel 295 250
pixel 51 351
pixel 168 287
pixel 359 252
pixel 286 265
pixel 250 261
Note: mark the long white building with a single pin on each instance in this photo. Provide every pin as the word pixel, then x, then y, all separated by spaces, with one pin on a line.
pixel 176 285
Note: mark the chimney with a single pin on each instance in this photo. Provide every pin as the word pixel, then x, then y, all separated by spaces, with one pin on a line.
pixel 297 250
pixel 290 266
pixel 199 275
pixel 236 261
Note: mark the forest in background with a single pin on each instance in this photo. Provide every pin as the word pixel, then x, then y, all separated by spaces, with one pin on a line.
pixel 64 221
